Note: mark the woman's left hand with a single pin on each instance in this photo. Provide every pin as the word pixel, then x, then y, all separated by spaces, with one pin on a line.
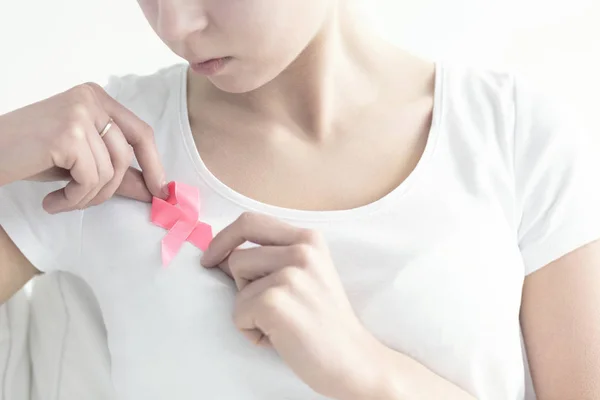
pixel 290 297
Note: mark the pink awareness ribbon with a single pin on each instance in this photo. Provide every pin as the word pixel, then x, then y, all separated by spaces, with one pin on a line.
pixel 179 215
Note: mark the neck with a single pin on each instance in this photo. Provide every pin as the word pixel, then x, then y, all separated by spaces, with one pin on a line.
pixel 333 76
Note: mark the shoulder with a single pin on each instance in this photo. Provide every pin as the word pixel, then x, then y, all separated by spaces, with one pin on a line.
pixel 148 96
pixel 508 112
pixel 475 116
pixel 503 97
pixel 476 94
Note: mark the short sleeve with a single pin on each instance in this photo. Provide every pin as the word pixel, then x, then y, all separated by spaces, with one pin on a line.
pixel 49 242
pixel 557 176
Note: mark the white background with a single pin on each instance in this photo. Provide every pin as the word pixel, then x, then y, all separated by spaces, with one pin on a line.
pixel 46 46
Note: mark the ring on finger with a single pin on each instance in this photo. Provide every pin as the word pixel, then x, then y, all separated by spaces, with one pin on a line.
pixel 107 127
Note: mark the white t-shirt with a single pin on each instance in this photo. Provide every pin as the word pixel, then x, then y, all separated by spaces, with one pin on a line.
pixel 14 354
pixel 434 269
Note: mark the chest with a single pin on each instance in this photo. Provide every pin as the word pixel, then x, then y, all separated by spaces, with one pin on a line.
pixel 275 165
pixel 442 286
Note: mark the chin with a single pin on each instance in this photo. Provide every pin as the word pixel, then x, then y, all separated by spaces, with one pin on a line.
pixel 242 83
pixel 234 86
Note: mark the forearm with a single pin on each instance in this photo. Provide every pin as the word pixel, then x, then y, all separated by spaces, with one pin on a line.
pixel 399 377
pixel 15 269
pixel 4 145
pixel 12 152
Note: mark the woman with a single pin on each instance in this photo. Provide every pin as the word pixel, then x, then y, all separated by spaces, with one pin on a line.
pixel 406 220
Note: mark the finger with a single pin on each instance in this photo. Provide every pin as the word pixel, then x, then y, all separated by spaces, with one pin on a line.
pixel 51 175
pixel 279 280
pixel 134 186
pixel 84 176
pixel 129 182
pixel 252 306
pixel 103 165
pixel 247 265
pixel 120 157
pixel 140 136
pixel 255 228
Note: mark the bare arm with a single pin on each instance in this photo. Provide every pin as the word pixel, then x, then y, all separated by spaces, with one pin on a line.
pixel 560 316
pixel 15 269
pixel 417 382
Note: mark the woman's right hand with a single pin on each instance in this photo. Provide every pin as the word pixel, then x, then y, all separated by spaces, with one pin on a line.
pixel 58 139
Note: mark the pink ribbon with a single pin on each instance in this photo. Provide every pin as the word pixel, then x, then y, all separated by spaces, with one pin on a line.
pixel 179 214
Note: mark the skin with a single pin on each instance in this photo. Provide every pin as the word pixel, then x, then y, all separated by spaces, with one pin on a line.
pixel 304 73
pixel 58 139
pixel 15 269
pixel 299 94
pixel 290 297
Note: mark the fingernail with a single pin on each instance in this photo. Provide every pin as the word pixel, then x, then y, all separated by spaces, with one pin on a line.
pixel 205 259
pixel 165 188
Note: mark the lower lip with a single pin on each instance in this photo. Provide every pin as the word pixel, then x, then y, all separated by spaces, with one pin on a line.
pixel 210 67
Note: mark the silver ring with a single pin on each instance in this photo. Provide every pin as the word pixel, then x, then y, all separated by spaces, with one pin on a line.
pixel 106 128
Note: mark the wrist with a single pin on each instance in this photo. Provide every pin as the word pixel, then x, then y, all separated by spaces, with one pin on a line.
pixel 379 377
pixel 398 377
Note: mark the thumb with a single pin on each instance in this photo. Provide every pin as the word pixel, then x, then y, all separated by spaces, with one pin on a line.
pixel 134 186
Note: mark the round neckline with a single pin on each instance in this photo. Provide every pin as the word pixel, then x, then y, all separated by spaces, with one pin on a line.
pixel 307 215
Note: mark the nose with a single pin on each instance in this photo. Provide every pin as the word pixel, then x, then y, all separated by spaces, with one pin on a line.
pixel 177 19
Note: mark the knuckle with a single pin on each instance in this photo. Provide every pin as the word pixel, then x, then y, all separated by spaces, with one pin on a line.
pixel 273 299
pixel 233 263
pixel 107 174
pixel 93 180
pixel 301 255
pixel 84 92
pixel 75 131
pixel 79 113
pixel 93 86
pixel 246 219
pixel 311 237
pixel 289 276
